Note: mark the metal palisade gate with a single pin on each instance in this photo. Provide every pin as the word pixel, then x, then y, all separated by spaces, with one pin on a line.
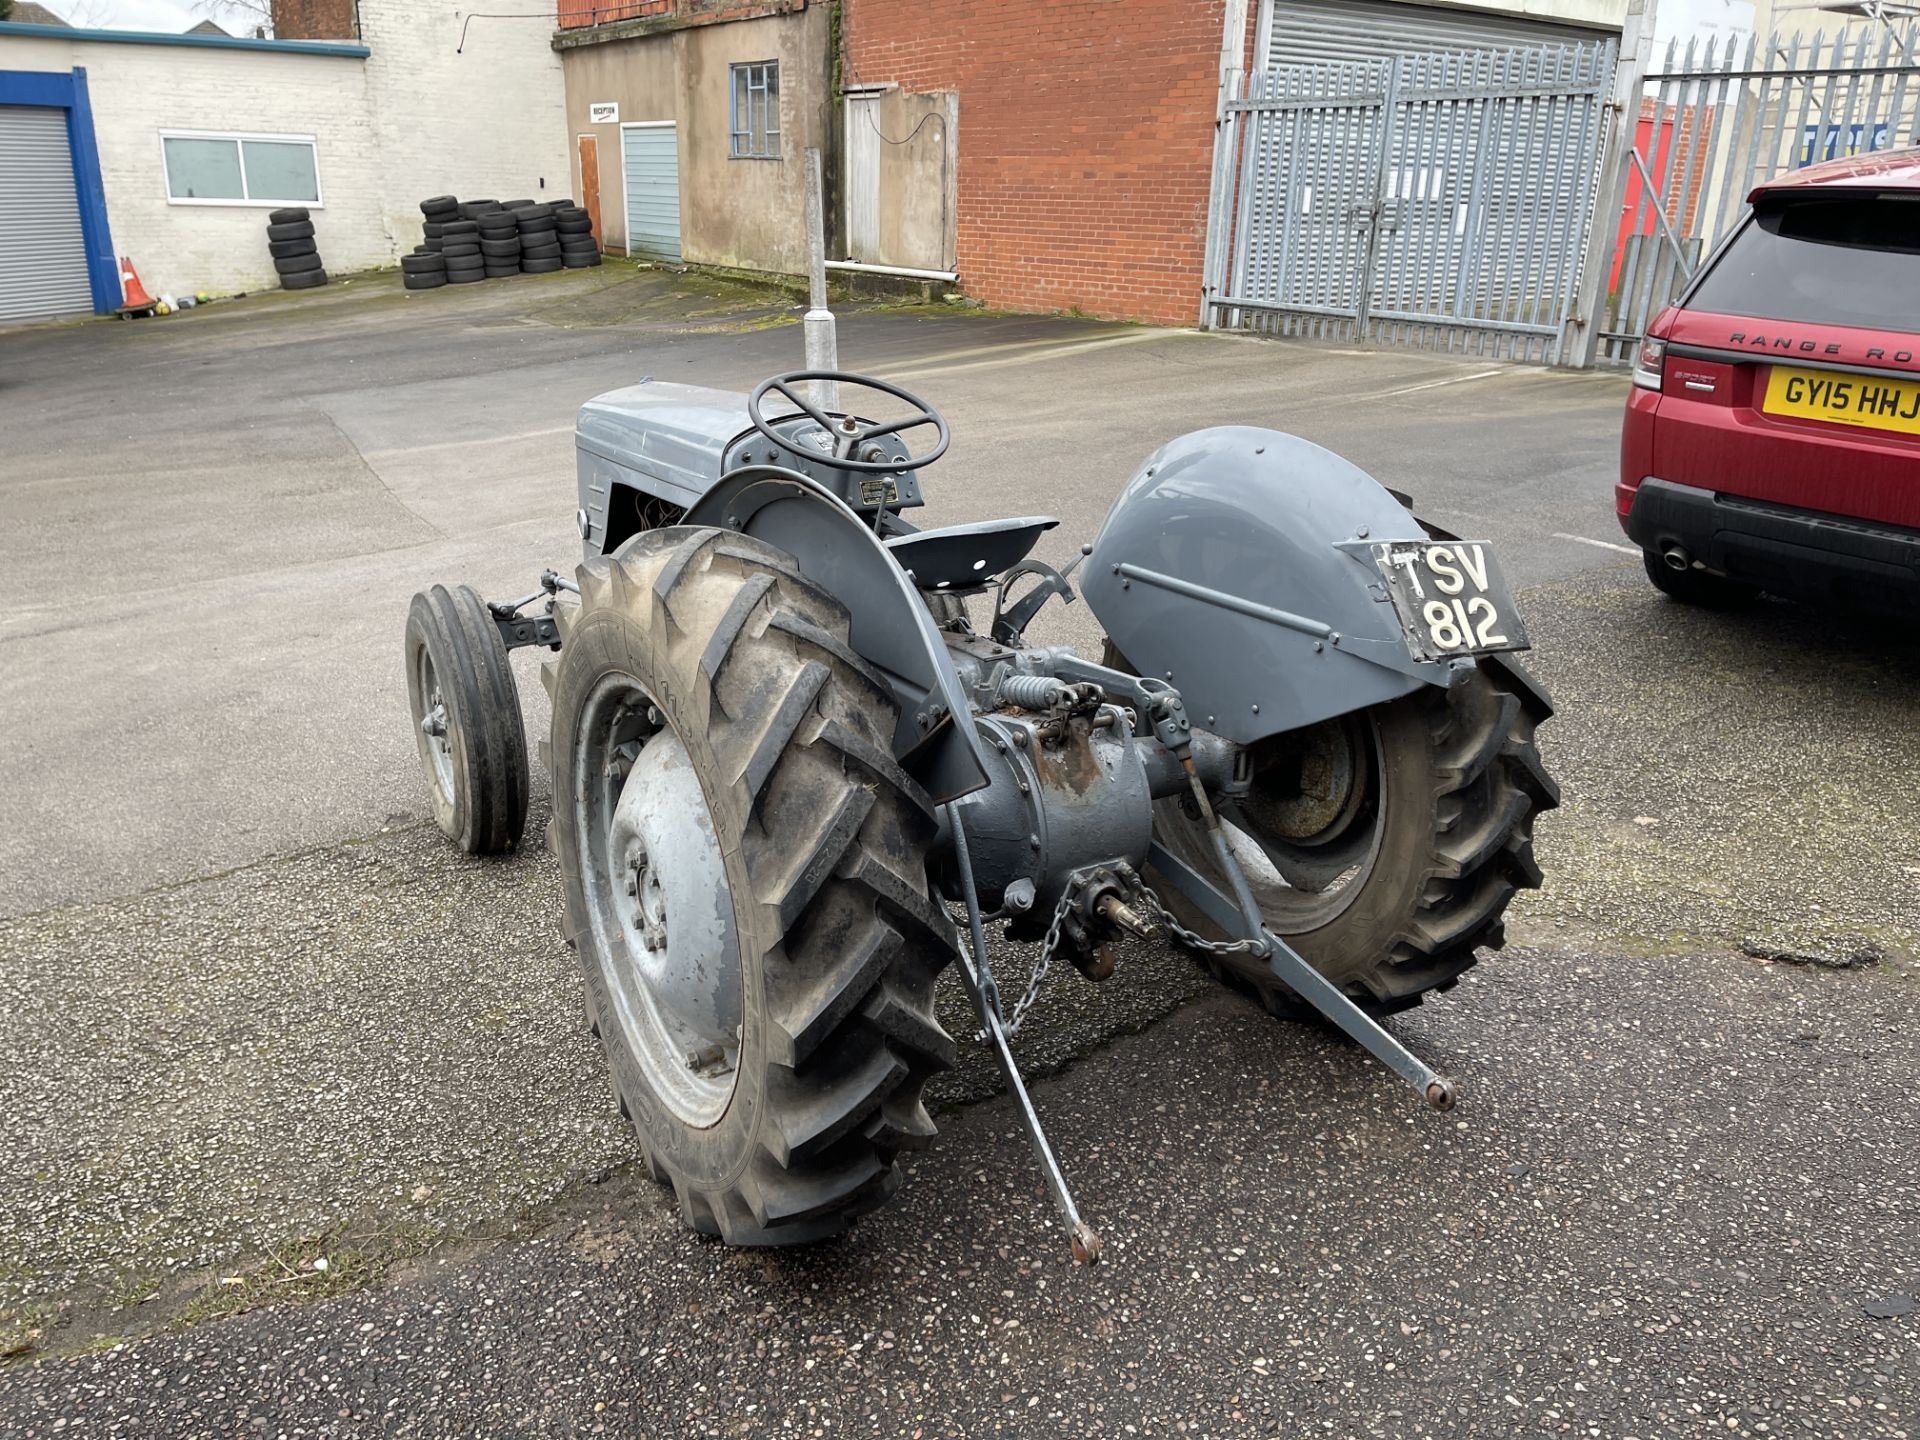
pixel 1438 200
pixel 1714 121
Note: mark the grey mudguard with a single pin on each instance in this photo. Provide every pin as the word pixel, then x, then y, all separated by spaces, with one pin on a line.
pixel 892 629
pixel 1235 565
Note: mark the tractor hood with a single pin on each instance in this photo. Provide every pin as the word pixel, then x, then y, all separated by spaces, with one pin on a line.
pixel 676 435
pixel 1236 567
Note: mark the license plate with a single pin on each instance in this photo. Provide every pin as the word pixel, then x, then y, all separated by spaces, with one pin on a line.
pixel 1860 400
pixel 1451 598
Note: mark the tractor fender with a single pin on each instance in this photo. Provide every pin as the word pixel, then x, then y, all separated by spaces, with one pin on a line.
pixel 892 631
pixel 1236 565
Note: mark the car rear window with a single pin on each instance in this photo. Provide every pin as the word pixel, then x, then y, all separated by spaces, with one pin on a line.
pixel 1823 259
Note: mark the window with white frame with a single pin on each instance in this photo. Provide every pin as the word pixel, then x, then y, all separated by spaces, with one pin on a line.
pixel 216 169
pixel 756 111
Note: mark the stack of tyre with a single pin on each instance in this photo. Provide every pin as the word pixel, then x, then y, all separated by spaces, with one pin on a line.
pixel 539 239
pixel 499 240
pixel 290 241
pixel 426 267
pixel 578 247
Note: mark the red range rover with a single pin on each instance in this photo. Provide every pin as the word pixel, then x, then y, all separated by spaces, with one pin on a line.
pixel 1772 438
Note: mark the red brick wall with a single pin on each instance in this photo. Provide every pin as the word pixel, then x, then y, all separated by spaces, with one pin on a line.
pixel 314 20
pixel 1086 141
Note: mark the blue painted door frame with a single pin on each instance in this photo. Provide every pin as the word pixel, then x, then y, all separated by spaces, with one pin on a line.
pixel 51 90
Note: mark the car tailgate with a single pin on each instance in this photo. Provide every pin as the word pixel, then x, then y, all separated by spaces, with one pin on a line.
pixel 1715 431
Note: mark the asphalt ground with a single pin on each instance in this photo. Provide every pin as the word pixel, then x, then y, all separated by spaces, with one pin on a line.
pixel 254 1013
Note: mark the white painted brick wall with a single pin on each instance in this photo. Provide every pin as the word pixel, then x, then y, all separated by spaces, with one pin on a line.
pixel 412 120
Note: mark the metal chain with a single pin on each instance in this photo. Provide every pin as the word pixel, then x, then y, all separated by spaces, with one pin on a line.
pixel 1051 944
pixel 1047 947
pixel 1190 938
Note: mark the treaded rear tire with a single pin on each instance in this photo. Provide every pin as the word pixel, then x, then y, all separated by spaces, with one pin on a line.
pixel 488 807
pixel 1464 781
pixel 825 842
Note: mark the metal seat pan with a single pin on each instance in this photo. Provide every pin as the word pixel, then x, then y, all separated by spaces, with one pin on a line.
pixel 959 557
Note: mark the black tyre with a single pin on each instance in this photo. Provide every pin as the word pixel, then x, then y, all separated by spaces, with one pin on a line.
pixel 584 245
pixel 465 277
pixel 515 204
pixel 451 228
pixel 581 262
pixel 279 249
pixel 499 247
pixel 424 279
pixel 1697 587
pixel 539 267
pixel 509 231
pixel 459 250
pixel 539 252
pixel 472 209
pixel 434 246
pixel 296 230
pixel 305 280
pixel 542 228
pixel 1383 846
pixel 292 215
pixel 423 264
pixel 564 202
pixel 440 205
pixel 295 264
pixel 775 1088
pixel 535 212
pixel 500 272
pixel 466 718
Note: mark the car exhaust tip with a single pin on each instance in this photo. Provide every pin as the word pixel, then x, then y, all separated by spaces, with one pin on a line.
pixel 1677 558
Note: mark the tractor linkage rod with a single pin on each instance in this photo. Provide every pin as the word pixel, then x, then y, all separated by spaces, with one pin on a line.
pixel 986 999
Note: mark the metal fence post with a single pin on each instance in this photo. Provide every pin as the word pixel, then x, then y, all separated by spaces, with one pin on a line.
pixel 1581 342
pixel 1233 39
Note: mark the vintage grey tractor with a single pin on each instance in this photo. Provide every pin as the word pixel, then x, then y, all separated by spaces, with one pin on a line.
pixel 794 774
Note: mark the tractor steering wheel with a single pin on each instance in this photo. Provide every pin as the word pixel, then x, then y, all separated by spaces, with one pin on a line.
pixel 851 437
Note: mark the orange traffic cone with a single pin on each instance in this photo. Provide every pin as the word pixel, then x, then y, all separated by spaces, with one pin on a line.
pixel 137 297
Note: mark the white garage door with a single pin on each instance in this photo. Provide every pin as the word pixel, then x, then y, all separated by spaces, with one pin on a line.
pixel 650 162
pixel 43 256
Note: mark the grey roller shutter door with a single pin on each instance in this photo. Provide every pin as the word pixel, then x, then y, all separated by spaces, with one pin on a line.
pixel 1306 32
pixel 43 255
pixel 650 158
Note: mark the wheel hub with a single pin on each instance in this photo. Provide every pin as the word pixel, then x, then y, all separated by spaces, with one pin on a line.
pixel 433 724
pixel 1312 793
pixel 677 973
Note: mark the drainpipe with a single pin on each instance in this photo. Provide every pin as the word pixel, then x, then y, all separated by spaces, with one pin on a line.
pixel 905 272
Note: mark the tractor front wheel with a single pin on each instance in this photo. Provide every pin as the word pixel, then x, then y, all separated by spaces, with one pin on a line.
pixel 745 871
pixel 466 720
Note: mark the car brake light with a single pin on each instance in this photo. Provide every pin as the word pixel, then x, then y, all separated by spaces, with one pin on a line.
pixel 1648 364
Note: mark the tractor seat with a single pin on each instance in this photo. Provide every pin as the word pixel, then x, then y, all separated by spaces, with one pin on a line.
pixel 960 557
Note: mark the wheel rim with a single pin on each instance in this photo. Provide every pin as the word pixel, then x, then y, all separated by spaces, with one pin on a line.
pixel 658 902
pixel 435 728
pixel 1307 833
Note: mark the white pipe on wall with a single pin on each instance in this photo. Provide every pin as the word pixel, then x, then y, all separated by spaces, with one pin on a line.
pixel 900 270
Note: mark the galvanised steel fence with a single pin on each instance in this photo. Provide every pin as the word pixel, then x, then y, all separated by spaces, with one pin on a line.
pixel 1717 119
pixel 1441 201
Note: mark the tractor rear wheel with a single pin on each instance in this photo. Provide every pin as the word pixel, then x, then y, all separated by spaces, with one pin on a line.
pixel 1384 846
pixel 745 870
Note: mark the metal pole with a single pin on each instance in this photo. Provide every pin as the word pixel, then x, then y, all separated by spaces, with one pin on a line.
pixel 823 347
pixel 1581 343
